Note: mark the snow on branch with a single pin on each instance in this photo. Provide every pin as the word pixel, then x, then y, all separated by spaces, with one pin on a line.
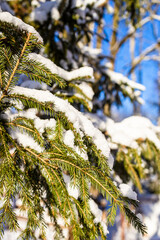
pixel 155 16
pixel 92 52
pixel 128 86
pixel 83 3
pixel 8 18
pixel 80 122
pixel 128 131
pixel 140 58
pixel 119 78
pixel 83 72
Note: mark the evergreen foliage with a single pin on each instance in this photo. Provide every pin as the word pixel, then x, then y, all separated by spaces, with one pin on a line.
pixel 35 174
pixel 139 166
pixel 76 27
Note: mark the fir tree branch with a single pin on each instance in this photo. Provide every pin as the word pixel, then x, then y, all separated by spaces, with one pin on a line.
pixel 1 83
pixel 52 182
pixel 18 61
pixel 44 160
pixel 129 168
pixel 5 53
pixel 27 129
pixel 83 170
pixel 134 220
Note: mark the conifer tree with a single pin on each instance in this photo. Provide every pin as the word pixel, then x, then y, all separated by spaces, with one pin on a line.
pixel 132 164
pixel 50 153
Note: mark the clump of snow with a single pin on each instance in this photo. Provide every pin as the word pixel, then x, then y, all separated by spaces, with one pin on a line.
pixel 83 153
pixel 100 3
pixel 110 9
pixel 8 18
pixel 19 203
pixel 127 191
pixel 78 73
pixel 42 124
pixel 86 89
pixel 104 226
pixel 101 123
pixel 60 221
pixel 68 138
pixel 85 125
pixel 35 3
pixel 95 211
pixel 55 15
pixel 140 100
pixel 81 3
pixel 73 190
pixel 30 113
pixel 66 178
pixel 25 140
pixel 12 150
pixel 65 232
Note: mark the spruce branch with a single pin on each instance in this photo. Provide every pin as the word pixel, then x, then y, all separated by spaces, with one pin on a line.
pixel 18 62
pixel 1 79
pixel 135 221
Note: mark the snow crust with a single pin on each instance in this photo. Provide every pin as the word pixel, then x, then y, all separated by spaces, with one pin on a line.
pixel 82 123
pixel 8 18
pixel 127 191
pixel 81 72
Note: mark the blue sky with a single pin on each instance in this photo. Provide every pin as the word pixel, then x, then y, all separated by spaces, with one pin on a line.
pixel 149 69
